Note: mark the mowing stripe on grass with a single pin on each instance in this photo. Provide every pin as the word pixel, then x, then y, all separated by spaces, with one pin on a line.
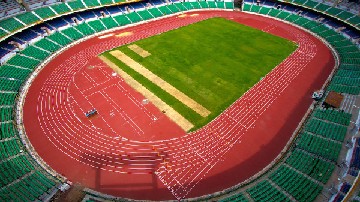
pixel 138 50
pixel 161 83
pixel 169 111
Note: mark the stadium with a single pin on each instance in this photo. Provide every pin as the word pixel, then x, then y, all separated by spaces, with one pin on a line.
pixel 164 100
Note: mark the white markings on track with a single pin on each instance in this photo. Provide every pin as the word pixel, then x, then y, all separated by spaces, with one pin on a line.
pixel 191 157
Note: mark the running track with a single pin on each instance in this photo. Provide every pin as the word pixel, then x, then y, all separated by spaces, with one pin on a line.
pixel 133 150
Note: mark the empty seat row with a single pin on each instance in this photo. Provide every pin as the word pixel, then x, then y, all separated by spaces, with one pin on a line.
pixel 311 165
pixel 333 116
pixel 326 129
pixel 296 184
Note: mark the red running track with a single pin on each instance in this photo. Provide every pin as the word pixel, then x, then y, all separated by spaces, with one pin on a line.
pixel 132 150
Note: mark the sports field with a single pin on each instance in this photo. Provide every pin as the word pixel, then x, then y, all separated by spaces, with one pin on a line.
pixel 201 69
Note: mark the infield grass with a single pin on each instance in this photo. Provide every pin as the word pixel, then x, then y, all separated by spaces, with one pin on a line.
pixel 214 62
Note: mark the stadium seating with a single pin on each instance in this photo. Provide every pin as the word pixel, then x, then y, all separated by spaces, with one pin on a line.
pixel 320 146
pixel 36 53
pixel 145 14
pixel 97 25
pixel 109 22
pixel 91 3
pixel 47 45
pixel 326 129
pixel 45 12
pixel 300 187
pixel 11 24
pixel 264 191
pixel 24 62
pixel 28 18
pixel 311 165
pixel 134 17
pixel 85 29
pixel 76 5
pixel 59 38
pixel 72 33
pixel 6 114
pixel 334 115
pixel 61 8
pixel 338 13
pixel 7 128
pixel 14 72
pixel 155 12
pixel 11 85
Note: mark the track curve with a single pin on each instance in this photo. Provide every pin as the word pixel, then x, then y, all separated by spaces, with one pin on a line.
pixel 241 141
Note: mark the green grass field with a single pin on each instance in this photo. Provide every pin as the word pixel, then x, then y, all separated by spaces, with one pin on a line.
pixel 214 62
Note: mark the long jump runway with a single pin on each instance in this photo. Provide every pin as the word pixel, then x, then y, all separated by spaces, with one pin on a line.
pixel 131 149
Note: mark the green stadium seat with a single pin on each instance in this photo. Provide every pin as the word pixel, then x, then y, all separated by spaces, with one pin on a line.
pixel 85 29
pixel 322 7
pixel 6 114
pixel 296 184
pixel 229 5
pixel 292 18
pixel 264 10
pixel 76 5
pixel 14 72
pixel 47 45
pixel 181 7
pixel 333 11
pixel 189 6
pixel 59 39
pixel 11 24
pixel 316 168
pixel 145 14
pixel 355 21
pixel 34 52
pixel 7 99
pixel 91 3
pixel 212 4
pixel 134 17
pixel 320 146
pixel 7 129
pixel 195 5
pixel 310 4
pixel 283 15
pixel 109 22
pixel 220 4
pixel 175 9
pixel 11 85
pixel 204 4
pixel 264 191
pixel 334 115
pixel 106 2
pixel 2 33
pixel 165 10
pixel 299 2
pixel 97 25
pixel 22 61
pixel 255 8
pixel 44 12
pixel 122 20
pixel 355 90
pixel 246 7
pixel 28 18
pixel 72 33
pixel 274 12
pixel 61 8
pixel 155 12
